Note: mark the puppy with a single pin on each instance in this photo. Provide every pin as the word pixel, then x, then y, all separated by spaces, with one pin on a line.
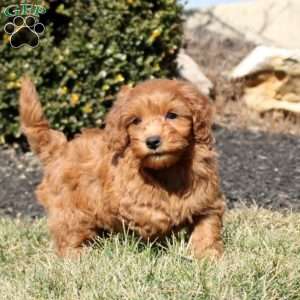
pixel 152 169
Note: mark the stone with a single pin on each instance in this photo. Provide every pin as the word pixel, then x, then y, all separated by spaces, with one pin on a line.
pixel 190 71
pixel 264 22
pixel 271 79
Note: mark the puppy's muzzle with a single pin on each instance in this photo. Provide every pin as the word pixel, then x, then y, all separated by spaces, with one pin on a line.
pixel 153 142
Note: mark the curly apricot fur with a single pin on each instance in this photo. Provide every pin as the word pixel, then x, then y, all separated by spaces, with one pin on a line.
pixel 107 179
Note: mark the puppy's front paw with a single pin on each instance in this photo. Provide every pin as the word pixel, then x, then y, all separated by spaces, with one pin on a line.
pixel 206 238
pixel 215 251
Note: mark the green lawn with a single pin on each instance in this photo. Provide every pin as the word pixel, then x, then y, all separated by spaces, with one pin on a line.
pixel 261 261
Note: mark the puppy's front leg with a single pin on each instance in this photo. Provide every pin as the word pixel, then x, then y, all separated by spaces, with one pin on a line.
pixel 205 240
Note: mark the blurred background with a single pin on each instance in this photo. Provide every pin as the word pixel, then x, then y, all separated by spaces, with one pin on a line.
pixel 207 3
pixel 243 54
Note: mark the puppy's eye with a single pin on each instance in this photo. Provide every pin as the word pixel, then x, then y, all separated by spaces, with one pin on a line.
pixel 171 116
pixel 136 121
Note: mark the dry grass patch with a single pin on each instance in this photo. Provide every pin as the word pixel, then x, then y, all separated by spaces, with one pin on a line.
pixel 261 261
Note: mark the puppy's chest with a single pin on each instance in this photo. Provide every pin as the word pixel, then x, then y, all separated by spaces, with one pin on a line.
pixel 150 211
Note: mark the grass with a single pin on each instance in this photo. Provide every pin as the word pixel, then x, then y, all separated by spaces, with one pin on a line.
pixel 261 261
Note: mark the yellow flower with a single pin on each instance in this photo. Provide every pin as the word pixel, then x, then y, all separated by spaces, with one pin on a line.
pixel 67 51
pixel 63 91
pixel 130 2
pixel 18 83
pixel 154 35
pixel 105 87
pixel 87 108
pixel 157 67
pixel 74 99
pixel 11 85
pixel 60 58
pixel 119 78
pixel 72 74
pixel 6 38
pixel 12 76
pixel 130 84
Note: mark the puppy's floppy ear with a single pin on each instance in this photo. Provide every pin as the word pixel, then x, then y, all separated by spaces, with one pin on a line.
pixel 118 138
pixel 202 113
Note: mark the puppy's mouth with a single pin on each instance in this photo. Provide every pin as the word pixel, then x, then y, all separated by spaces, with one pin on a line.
pixel 161 160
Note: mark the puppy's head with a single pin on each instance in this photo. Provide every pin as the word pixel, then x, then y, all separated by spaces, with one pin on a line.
pixel 159 120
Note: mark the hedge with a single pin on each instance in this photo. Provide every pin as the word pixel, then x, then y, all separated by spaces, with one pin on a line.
pixel 89 49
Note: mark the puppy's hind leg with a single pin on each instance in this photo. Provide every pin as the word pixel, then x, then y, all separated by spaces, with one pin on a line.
pixel 71 230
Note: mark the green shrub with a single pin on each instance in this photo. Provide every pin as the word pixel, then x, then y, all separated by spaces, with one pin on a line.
pixel 89 49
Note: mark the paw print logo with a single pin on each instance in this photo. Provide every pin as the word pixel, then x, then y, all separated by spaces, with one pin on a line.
pixel 24 31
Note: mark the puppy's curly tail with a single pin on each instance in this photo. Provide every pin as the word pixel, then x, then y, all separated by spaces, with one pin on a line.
pixel 44 141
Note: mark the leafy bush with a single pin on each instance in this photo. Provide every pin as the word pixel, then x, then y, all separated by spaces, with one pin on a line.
pixel 89 49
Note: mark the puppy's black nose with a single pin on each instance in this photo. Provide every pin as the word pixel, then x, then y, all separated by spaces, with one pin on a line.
pixel 153 142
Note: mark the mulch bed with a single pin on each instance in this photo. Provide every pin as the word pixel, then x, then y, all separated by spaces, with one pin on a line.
pixel 260 168
pixel 255 167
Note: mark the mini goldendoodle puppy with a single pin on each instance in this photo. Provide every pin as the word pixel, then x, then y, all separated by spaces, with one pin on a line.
pixel 152 170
